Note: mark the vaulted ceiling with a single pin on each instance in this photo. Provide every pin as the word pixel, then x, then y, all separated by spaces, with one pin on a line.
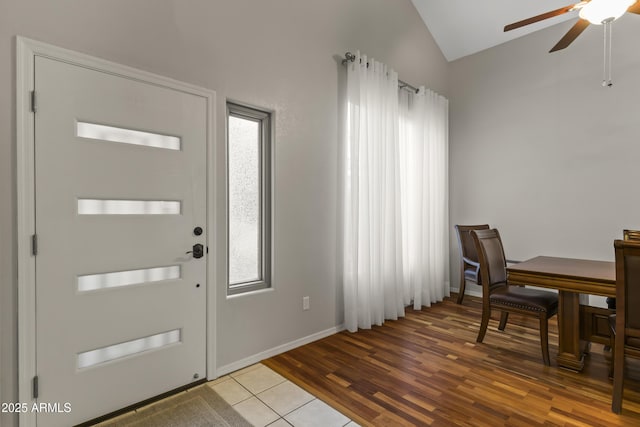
pixel 463 27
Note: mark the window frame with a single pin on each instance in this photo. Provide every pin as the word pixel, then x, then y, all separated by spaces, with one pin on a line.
pixel 264 118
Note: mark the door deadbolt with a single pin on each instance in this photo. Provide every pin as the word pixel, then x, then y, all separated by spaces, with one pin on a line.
pixel 197 231
pixel 198 251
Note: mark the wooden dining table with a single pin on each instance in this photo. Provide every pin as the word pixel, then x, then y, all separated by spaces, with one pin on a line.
pixel 575 280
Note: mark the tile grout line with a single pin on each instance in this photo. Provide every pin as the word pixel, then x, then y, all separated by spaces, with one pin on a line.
pixel 288 413
pixel 284 380
pixel 274 386
pixel 280 417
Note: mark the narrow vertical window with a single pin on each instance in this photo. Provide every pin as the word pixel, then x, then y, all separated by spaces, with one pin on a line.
pixel 249 196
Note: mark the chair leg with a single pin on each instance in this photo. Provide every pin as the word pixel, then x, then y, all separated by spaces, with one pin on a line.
pixel 544 338
pixel 618 377
pixel 503 320
pixel 463 283
pixel 612 355
pixel 486 314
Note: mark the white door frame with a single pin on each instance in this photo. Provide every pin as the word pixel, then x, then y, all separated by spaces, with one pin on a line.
pixel 26 51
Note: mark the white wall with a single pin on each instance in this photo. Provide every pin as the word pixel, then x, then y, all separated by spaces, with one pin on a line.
pixel 541 150
pixel 280 55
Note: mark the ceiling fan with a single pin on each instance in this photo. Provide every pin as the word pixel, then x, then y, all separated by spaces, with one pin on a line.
pixel 598 12
pixel 591 12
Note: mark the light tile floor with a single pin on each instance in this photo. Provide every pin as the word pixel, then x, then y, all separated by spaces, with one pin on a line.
pixel 265 398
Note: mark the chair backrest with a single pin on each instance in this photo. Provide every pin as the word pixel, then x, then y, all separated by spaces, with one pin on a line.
pixel 493 264
pixel 465 240
pixel 631 234
pixel 628 285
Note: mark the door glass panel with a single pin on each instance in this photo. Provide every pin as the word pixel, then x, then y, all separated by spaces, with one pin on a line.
pixel 129 348
pixel 93 282
pixel 128 207
pixel 126 136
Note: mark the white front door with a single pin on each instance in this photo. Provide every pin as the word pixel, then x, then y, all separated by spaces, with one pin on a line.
pixel 120 191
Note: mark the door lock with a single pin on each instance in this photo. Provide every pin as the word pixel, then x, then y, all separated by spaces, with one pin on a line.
pixel 198 251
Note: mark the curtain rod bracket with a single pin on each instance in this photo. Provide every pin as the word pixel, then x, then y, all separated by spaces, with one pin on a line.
pixel 348 57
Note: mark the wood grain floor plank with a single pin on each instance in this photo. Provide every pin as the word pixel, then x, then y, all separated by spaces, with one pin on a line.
pixel 427 369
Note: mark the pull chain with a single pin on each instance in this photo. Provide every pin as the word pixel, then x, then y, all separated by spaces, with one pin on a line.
pixel 606 71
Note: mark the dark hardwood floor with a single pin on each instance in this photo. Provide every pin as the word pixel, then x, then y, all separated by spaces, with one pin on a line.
pixel 427 369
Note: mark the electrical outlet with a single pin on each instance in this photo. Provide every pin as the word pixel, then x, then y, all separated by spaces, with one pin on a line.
pixel 305 303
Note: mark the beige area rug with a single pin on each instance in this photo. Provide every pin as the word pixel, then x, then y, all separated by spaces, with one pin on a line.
pixel 198 407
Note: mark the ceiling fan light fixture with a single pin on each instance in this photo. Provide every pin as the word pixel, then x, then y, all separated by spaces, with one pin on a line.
pixel 599 11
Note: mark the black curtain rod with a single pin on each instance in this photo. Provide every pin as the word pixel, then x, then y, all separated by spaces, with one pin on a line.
pixel 350 57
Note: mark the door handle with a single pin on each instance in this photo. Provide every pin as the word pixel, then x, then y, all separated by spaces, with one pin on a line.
pixel 198 251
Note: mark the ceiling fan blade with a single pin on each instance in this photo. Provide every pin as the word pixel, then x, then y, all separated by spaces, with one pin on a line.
pixel 635 8
pixel 571 35
pixel 541 17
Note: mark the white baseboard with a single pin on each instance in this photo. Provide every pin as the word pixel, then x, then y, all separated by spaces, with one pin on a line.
pixel 251 360
pixel 468 292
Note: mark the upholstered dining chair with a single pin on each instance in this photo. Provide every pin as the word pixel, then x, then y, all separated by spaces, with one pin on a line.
pixel 625 324
pixel 469 266
pixel 497 294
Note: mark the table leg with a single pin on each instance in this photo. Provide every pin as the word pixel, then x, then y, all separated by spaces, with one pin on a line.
pixel 571 348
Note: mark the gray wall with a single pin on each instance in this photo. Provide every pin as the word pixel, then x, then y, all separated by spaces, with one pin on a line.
pixel 541 150
pixel 277 54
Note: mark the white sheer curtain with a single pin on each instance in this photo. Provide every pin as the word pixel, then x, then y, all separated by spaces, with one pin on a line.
pixel 395 196
pixel 424 159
